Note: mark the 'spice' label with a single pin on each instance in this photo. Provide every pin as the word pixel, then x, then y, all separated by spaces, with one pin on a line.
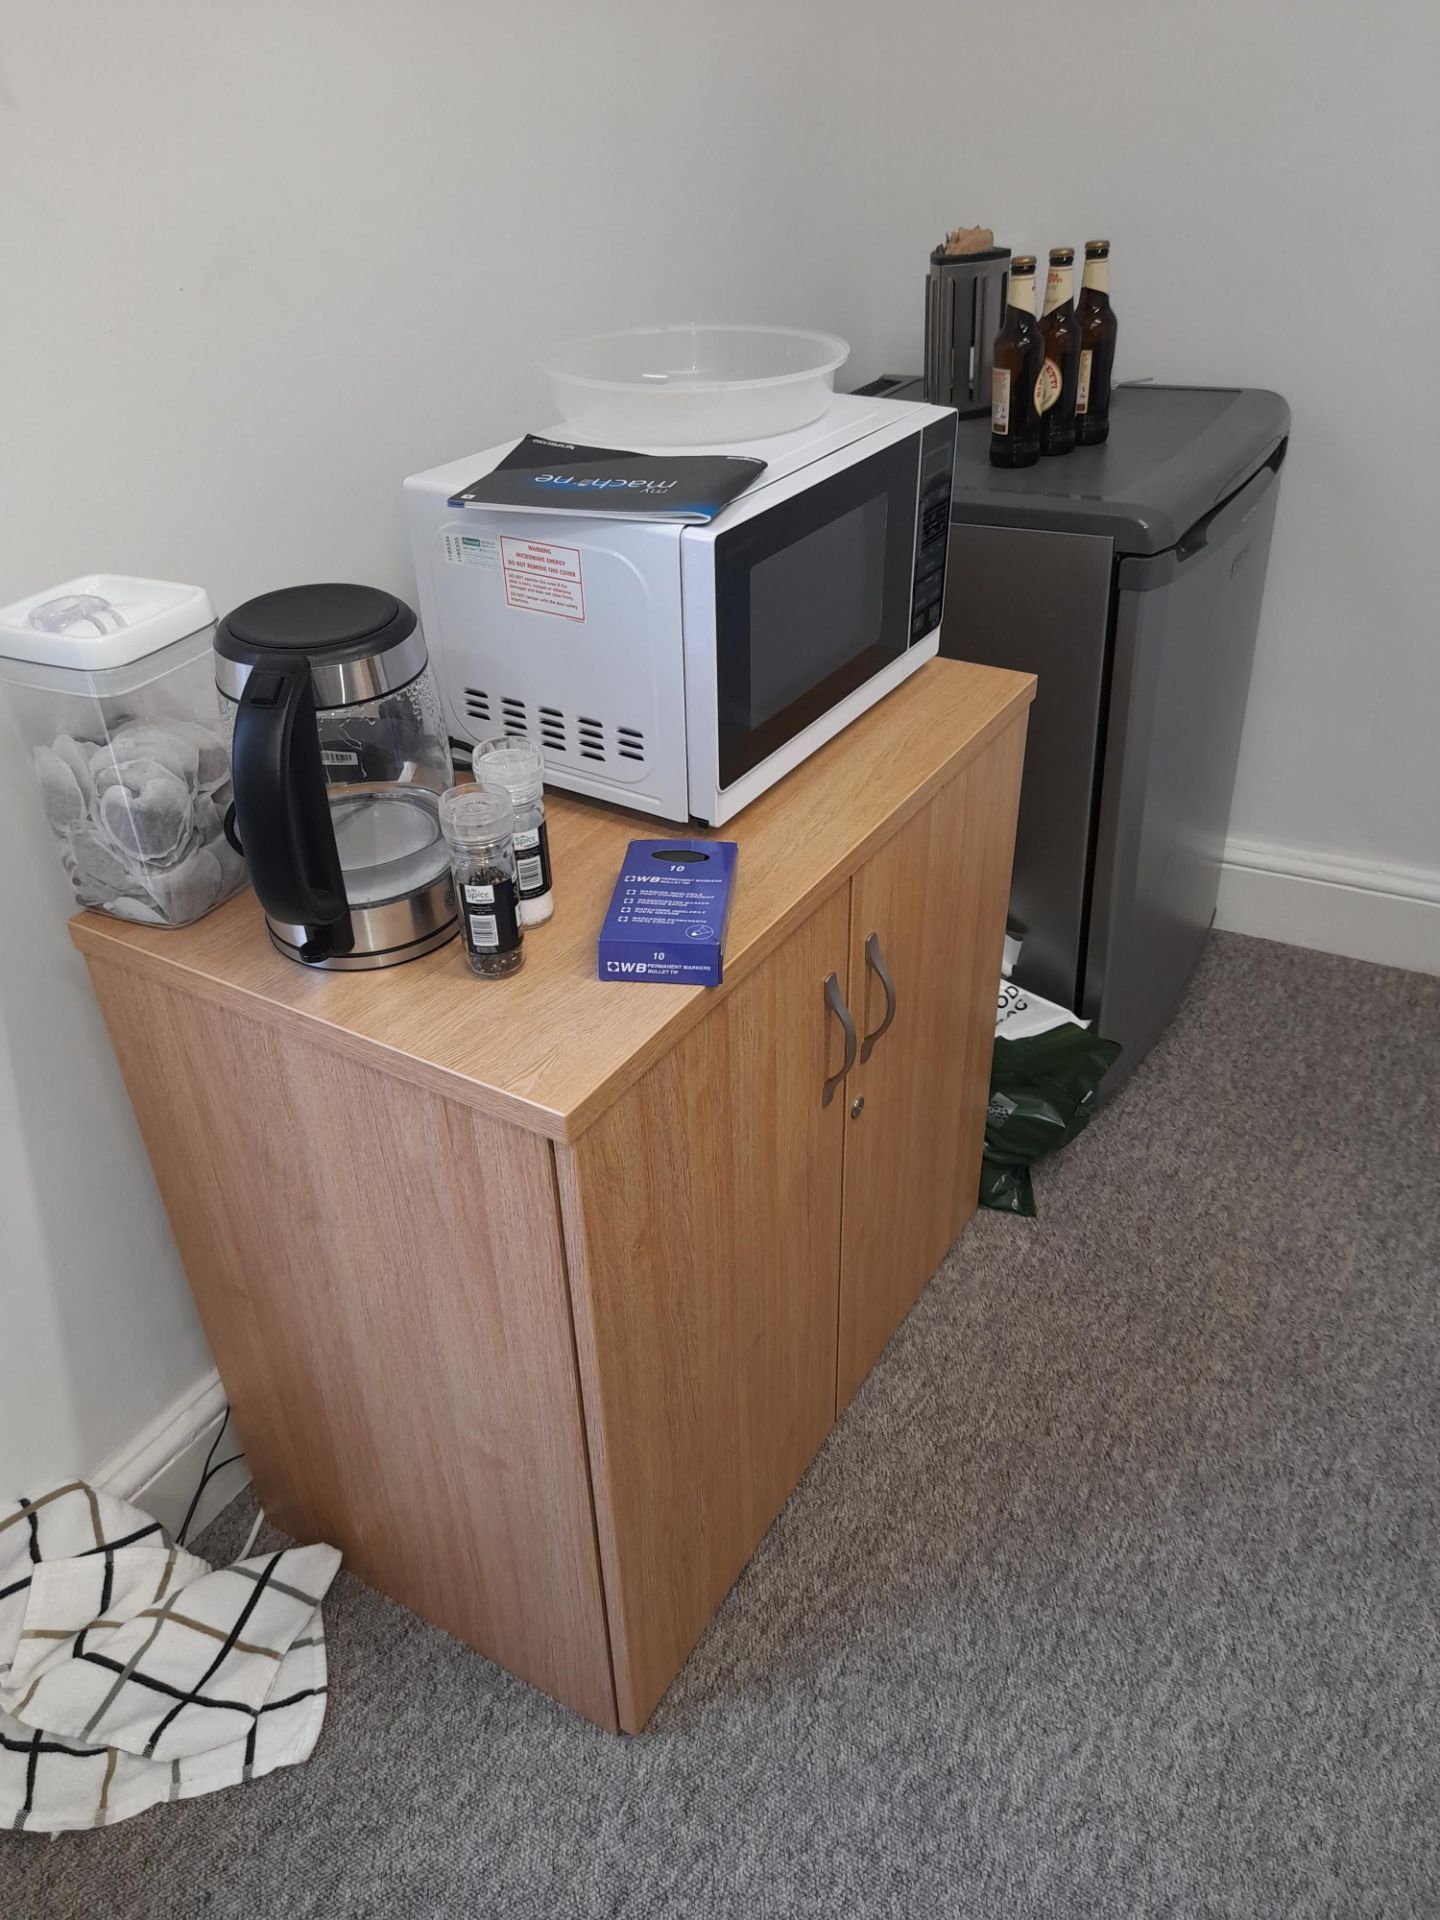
pixel 543 578
pixel 491 920
pixel 532 860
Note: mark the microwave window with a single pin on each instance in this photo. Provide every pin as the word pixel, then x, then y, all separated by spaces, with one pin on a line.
pixel 815 605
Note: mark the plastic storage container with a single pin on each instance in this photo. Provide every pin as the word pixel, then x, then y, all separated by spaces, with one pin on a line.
pixel 111 683
pixel 693 386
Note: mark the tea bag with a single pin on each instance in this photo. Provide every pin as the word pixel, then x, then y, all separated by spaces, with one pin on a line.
pixel 60 789
pixel 188 890
pixel 139 740
pixel 152 823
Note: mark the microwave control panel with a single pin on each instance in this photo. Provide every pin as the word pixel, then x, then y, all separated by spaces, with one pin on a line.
pixel 932 522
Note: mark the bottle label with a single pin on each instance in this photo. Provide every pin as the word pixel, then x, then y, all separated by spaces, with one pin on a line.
pixel 1000 400
pixel 1082 392
pixel 532 860
pixel 1047 386
pixel 1096 275
pixel 1059 287
pixel 492 915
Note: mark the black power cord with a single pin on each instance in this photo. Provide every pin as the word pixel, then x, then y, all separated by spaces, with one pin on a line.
pixel 207 1474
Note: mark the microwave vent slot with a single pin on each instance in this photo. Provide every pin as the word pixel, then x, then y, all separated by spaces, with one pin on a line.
pixel 560 734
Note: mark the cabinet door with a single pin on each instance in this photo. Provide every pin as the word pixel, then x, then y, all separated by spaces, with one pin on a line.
pixel 702 1224
pixel 928 910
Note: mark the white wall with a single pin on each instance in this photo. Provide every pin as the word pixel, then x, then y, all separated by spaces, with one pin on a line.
pixel 97 1333
pixel 1267 171
pixel 260 262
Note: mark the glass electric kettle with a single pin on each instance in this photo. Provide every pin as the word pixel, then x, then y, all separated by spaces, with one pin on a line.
pixel 339 758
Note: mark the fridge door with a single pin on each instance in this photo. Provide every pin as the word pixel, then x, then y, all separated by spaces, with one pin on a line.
pixel 1040 602
pixel 1185 625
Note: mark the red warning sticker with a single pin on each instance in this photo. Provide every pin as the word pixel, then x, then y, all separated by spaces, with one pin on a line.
pixel 543 578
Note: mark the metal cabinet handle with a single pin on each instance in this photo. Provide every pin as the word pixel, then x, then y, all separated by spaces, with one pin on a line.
pixel 876 960
pixel 835 1000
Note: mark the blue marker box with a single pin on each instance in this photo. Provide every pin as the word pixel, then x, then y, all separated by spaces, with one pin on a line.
pixel 668 912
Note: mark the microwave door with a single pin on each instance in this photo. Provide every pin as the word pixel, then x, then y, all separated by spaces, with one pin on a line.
pixel 812 599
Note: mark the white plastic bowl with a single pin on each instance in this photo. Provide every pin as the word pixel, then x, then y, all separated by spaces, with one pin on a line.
pixel 693 386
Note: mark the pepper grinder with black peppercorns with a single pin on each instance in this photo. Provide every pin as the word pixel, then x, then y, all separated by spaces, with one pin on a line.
pixel 479 828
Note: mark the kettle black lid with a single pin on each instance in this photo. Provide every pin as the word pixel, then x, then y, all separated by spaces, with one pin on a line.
pixel 330 623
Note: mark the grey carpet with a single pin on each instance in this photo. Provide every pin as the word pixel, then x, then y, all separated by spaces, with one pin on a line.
pixel 1113 1595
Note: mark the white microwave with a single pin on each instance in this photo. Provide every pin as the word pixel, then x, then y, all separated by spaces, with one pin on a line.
pixel 682 670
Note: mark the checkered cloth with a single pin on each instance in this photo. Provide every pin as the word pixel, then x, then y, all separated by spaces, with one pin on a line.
pixel 131 1673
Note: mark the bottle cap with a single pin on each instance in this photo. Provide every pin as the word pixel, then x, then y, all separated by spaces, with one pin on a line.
pixel 1062 256
pixel 1023 263
pixel 476 816
pixel 1097 249
pixel 514 764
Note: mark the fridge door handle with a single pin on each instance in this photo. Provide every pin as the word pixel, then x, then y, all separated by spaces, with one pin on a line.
pixel 1218 525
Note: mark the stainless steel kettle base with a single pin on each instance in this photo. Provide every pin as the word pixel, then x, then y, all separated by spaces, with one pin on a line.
pixel 366 962
pixel 385 934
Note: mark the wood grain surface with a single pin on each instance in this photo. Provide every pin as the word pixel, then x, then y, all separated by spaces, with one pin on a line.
pixel 554 1046
pixel 702 1216
pixel 935 897
pixel 382 1282
pixel 987 856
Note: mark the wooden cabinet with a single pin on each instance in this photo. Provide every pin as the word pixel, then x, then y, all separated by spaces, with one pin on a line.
pixel 538 1298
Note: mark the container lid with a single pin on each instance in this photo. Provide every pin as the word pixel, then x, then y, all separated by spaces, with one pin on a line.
pixel 329 622
pixel 1173 454
pixel 476 816
pixel 517 765
pixel 102 620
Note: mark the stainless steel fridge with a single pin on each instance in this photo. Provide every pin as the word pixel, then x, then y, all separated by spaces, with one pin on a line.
pixel 1129 578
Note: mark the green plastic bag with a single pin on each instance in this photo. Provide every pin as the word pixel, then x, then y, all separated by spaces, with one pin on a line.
pixel 1042 1093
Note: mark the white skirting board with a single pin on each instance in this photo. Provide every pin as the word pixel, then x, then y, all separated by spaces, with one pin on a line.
pixel 1338 905
pixel 160 1469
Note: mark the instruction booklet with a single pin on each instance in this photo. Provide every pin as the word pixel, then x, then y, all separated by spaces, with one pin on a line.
pixel 557 476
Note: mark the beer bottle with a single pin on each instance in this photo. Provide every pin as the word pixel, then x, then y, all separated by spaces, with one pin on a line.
pixel 1019 354
pixel 1097 347
pixel 1060 374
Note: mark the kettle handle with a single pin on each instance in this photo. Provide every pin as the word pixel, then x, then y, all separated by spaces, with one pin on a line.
pixel 282 809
